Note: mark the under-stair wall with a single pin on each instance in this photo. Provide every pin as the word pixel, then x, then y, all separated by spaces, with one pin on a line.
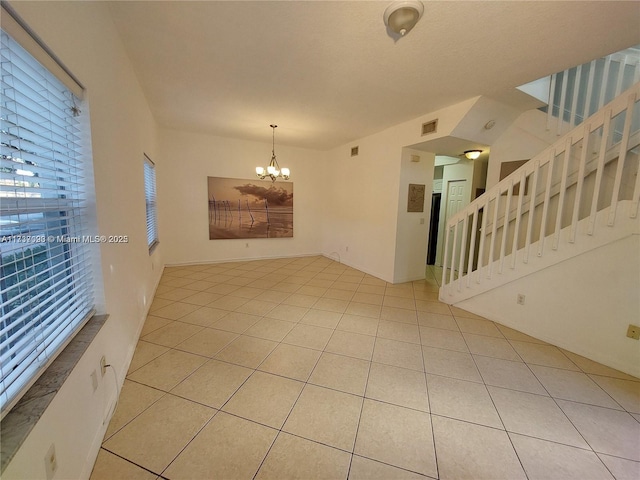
pixel 578 195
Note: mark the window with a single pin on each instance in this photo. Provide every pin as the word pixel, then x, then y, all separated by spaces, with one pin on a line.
pixel 46 290
pixel 150 200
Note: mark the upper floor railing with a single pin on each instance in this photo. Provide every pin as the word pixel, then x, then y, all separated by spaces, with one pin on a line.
pixel 585 172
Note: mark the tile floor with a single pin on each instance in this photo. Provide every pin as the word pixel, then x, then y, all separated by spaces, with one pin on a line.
pixel 305 368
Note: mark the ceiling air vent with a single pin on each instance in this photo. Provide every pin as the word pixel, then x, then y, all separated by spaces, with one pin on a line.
pixel 430 127
pixel 354 151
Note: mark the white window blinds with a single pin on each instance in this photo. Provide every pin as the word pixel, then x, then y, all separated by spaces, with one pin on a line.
pixel 46 290
pixel 150 200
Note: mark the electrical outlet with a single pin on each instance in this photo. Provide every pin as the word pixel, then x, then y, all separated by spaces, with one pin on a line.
pixel 51 462
pixel 103 365
pixel 633 332
pixel 520 299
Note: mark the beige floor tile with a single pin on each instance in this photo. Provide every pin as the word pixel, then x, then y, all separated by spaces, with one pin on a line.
pixel 358 324
pixel 175 294
pixel 247 351
pixel 325 416
pixel 446 339
pixel 265 398
pixel 223 288
pixel 399 302
pixel 371 280
pixel 204 316
pixel 536 416
pixel 491 347
pixel 169 369
pixel 289 313
pixel 341 373
pixel 296 458
pixel 546 355
pixel 172 334
pixel 589 366
pixel 153 323
pixel 270 329
pixel 574 386
pixel 625 392
pixel 368 298
pixel 236 322
pixel 462 400
pixel 331 305
pixel 367 469
pixel 273 296
pixel 351 344
pixel 469 451
pixel 607 431
pixel 620 468
pixel 227 448
pixel 507 374
pixel 247 292
pixel 319 282
pixel 202 298
pixel 544 460
pixel 402 332
pixel 450 364
pixel 207 342
pixel 399 386
pixel 213 383
pixel 401 315
pixel 144 353
pixel 321 318
pixel 459 312
pixel 363 309
pixel 228 303
pixel 377 289
pixel 350 287
pixel 300 300
pixel 159 303
pixel 311 290
pixel 308 336
pixel 285 287
pixel 403 290
pixel 339 294
pixel 134 399
pixel 157 435
pixel 511 334
pixel 437 320
pixel 478 327
pixel 175 310
pixel 109 466
pixel 291 361
pixel 397 436
pixel 256 307
pixel 399 354
pixel 433 307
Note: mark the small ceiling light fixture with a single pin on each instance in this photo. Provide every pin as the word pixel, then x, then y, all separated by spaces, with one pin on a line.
pixel 472 154
pixel 273 170
pixel 401 17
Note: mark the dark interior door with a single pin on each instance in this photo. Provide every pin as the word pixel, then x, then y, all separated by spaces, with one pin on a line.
pixel 433 228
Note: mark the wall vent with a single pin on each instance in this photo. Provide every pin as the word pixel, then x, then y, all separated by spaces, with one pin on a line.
pixel 430 127
pixel 354 151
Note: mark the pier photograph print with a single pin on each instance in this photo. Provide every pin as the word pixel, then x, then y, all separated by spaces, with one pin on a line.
pixel 240 208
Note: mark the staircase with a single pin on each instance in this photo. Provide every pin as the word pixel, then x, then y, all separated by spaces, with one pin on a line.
pixel 581 193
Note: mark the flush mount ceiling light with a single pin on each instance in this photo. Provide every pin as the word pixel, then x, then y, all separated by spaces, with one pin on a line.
pixel 273 170
pixel 401 17
pixel 472 154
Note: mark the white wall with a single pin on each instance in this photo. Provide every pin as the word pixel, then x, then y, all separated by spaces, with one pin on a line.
pixel 524 139
pixel 361 211
pixel 189 158
pixel 82 35
pixel 412 233
pixel 583 304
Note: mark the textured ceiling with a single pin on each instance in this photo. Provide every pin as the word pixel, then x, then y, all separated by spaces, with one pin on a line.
pixel 327 72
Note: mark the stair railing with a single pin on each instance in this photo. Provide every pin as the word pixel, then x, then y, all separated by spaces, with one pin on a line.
pixel 553 191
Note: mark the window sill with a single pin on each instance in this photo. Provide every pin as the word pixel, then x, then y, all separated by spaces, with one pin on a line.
pixel 18 423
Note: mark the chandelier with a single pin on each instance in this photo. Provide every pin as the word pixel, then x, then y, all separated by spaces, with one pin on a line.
pixel 273 170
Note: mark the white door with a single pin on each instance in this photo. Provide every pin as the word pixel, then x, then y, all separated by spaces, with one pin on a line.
pixel 457 199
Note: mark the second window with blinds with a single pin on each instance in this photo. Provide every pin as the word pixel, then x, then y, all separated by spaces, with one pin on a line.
pixel 150 200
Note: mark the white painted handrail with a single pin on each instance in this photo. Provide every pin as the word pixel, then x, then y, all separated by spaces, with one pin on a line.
pixel 578 176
